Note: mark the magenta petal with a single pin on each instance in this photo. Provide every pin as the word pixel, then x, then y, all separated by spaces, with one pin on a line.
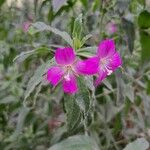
pixel 106 48
pixel 101 76
pixel 88 66
pixel 54 75
pixel 70 84
pixel 115 61
pixel 65 56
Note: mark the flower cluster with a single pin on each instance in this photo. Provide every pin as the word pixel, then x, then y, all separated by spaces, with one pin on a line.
pixel 69 67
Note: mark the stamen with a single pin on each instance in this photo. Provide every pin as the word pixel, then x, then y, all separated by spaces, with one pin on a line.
pixel 104 65
pixel 69 69
pixel 109 72
pixel 67 76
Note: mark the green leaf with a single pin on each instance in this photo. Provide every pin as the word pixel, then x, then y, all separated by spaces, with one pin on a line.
pixel 144 20
pixel 130 33
pixel 37 77
pixel 2 2
pixel 72 112
pixel 96 5
pixel 87 51
pixel 142 2
pixel 82 97
pixel 139 144
pixel 4 48
pixel 21 120
pixel 57 4
pixel 77 32
pixel 107 84
pixel 85 39
pixel 145 44
pixel 8 99
pixel 40 26
pixel 77 28
pixel 129 92
pixel 122 5
pixel 85 3
pixel 91 50
pixel 78 142
pixel 89 83
pixel 111 111
pixel 23 56
pixel 84 54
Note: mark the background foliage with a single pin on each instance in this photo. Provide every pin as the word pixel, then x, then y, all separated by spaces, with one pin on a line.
pixel 34 115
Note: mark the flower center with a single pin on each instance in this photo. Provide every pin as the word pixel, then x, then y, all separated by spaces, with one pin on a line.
pixel 104 64
pixel 67 77
pixel 68 71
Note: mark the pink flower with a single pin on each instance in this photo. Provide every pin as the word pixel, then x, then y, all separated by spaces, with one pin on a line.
pixel 111 28
pixel 109 59
pixel 68 68
pixel 106 61
pixel 26 25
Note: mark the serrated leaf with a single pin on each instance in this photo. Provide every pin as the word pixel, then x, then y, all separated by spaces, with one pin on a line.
pixel 139 144
pixel 82 97
pixel 57 4
pixel 130 33
pixel 78 142
pixel 37 77
pixel 40 26
pixel 72 112
pixel 144 20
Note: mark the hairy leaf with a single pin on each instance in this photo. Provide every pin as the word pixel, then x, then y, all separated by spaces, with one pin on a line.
pixel 57 4
pixel 77 32
pixel 40 26
pixel 37 77
pixel 82 97
pixel 139 144
pixel 78 142
pixel 72 112
pixel 21 120
pixel 23 56
pixel 130 33
pixel 8 99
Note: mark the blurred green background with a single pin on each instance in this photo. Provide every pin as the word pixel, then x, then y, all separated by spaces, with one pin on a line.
pixel 34 115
